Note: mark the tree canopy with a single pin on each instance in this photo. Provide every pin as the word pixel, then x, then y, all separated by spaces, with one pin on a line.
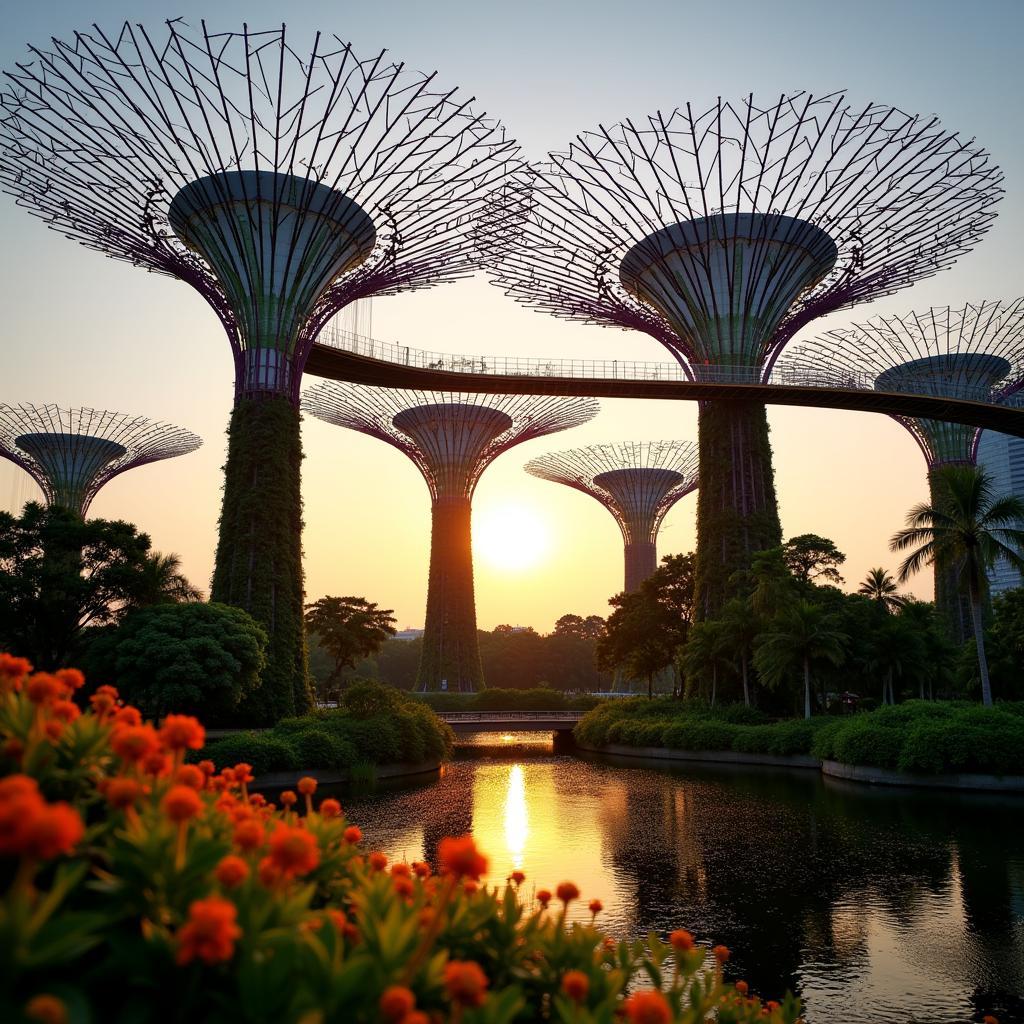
pixel 349 628
pixel 811 558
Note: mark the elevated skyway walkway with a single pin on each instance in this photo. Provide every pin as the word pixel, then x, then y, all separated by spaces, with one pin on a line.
pixel 514 721
pixel 342 355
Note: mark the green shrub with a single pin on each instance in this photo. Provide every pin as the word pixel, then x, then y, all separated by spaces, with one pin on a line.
pixel 795 737
pixel 699 735
pixel 264 752
pixel 739 714
pixel 753 739
pixel 823 746
pixel 868 743
pixel 317 748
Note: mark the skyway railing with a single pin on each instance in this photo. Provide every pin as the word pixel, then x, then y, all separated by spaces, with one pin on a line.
pixel 637 370
pixel 468 717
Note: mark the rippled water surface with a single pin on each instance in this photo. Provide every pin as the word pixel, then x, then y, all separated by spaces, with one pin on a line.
pixel 873 905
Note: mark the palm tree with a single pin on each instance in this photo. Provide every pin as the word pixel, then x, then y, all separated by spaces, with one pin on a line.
pixel 896 649
pixel 802 636
pixel 879 586
pixel 708 649
pixel 161 581
pixel 742 626
pixel 968 530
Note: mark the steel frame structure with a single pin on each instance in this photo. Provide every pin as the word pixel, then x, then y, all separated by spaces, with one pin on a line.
pixel 281 183
pixel 976 350
pixel 72 453
pixel 721 234
pixel 638 482
pixel 451 438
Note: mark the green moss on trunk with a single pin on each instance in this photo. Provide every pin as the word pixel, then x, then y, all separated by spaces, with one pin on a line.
pixel 259 551
pixel 451 650
pixel 737 511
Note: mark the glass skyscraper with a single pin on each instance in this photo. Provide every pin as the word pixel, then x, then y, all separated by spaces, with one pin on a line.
pixel 1002 456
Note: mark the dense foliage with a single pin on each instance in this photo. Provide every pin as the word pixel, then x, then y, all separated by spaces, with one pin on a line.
pixel 188 658
pixel 258 565
pixel 373 725
pixel 917 736
pixel 133 881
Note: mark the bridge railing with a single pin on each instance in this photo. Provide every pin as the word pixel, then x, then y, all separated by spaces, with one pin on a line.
pixel 636 370
pixel 458 717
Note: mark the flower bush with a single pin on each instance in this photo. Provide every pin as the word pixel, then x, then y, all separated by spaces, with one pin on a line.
pixel 137 886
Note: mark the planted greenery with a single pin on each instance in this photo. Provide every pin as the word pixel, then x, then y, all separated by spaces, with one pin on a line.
pixel 135 885
pixel 373 725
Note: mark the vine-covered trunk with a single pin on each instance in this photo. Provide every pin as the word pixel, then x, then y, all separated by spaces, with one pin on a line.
pixel 451 650
pixel 737 511
pixel 641 562
pixel 951 603
pixel 259 550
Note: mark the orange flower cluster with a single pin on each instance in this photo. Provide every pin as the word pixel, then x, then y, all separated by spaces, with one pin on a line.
pixel 210 932
pixel 465 983
pixel 459 857
pixel 647 1008
pixel 32 828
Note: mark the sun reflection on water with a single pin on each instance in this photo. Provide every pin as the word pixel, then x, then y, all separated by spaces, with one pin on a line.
pixel 517 820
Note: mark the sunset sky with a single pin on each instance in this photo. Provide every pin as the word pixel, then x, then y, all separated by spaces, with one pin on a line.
pixel 80 329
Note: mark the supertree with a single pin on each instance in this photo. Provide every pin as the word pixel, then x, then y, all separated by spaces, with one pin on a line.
pixel 637 481
pixel 72 453
pixel 451 438
pixel 721 234
pixel 282 183
pixel 976 352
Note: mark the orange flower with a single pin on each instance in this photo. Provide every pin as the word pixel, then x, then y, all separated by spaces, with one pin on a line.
pixel 71 678
pixel 181 804
pixel 307 785
pixel 465 982
pixel 210 932
pixel 208 768
pixel 156 763
pixel 403 886
pixel 460 857
pixel 127 716
pixel 989 1019
pixel 104 700
pixel 353 834
pixel 330 808
pixel 576 985
pixel 567 892
pixel 134 742
pixel 401 869
pixel 248 835
pixel 743 988
pixel 43 688
pixel 416 1017
pixel 56 830
pixel 647 1008
pixel 721 954
pixel 378 862
pixel 396 1002
pixel 13 670
pixel 518 877
pixel 46 1009
pixel 65 710
pixel 288 799
pixel 595 907
pixel 421 869
pixel 269 873
pixel 681 940
pixel 469 887
pixel 241 773
pixel 190 775
pixel 543 897
pixel 232 871
pixel 122 792
pixel 179 732
pixel 20 806
pixel 293 851
pixel 14 749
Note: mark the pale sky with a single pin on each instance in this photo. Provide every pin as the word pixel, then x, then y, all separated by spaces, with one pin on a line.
pixel 81 329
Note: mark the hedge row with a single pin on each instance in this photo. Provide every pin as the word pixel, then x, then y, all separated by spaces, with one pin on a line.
pixel 373 725
pixel 918 736
pixel 539 698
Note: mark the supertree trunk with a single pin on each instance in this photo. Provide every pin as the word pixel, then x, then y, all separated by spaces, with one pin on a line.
pixel 951 604
pixel 259 550
pixel 641 562
pixel 737 511
pixel 451 650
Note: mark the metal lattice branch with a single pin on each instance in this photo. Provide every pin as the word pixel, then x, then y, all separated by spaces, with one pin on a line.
pixel 451 437
pixel 722 233
pixel 638 482
pixel 278 150
pixel 976 353
pixel 72 453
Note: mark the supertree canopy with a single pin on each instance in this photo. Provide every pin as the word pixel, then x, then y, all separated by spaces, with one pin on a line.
pixel 638 482
pixel 451 438
pixel 721 233
pixel 282 182
pixel 72 453
pixel 976 353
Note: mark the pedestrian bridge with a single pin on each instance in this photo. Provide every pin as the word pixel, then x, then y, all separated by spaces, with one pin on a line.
pixel 511 721
pixel 342 355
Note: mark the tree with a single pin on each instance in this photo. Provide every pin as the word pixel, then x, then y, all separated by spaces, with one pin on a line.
pixel 1007 635
pixel 811 558
pixel 191 658
pixel 939 652
pixel 965 530
pixel 708 649
pixel 162 582
pixel 61 575
pixel 589 628
pixel 638 637
pixel 879 586
pixel 802 637
pixel 895 649
pixel 349 628
pixel 742 626
pixel 769 582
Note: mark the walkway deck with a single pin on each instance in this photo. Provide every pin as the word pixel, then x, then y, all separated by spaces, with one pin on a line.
pixel 340 355
pixel 513 721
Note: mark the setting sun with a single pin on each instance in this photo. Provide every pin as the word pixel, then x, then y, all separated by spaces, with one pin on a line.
pixel 510 536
